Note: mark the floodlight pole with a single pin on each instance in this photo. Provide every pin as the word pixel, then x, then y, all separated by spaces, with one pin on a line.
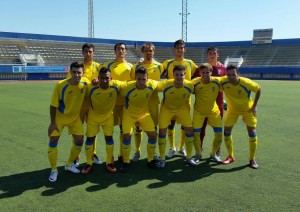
pixel 184 15
pixel 90 18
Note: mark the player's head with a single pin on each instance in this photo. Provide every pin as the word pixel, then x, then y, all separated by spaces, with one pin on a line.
pixel 88 52
pixel 141 77
pixel 179 75
pixel 120 50
pixel 232 73
pixel 205 70
pixel 148 51
pixel 179 48
pixel 212 53
pixel 104 77
pixel 76 70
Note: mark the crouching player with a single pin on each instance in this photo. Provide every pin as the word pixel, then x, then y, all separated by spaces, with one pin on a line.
pixel 102 98
pixel 136 111
pixel 206 90
pixel 66 103
pixel 175 105
pixel 238 94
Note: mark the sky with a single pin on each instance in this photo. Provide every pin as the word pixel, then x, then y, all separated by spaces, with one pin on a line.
pixel 153 20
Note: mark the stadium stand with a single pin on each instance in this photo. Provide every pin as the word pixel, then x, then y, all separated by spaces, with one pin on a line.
pixel 234 61
pixel 278 60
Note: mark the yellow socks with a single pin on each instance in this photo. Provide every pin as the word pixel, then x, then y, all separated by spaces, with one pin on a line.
pixel 252 145
pixel 151 149
pixel 52 155
pixel 162 146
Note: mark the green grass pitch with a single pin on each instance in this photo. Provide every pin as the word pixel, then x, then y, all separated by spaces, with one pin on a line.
pixel 24 184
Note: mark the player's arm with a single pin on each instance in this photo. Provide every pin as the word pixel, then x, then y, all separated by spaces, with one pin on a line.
pixel 162 85
pixel 163 75
pixel 87 96
pixel 95 75
pixel 194 69
pixel 52 125
pixel 256 98
pixel 132 72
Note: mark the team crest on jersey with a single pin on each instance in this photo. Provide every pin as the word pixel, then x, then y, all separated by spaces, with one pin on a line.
pixel 184 95
pixel 147 95
pixel 239 92
pixel 213 89
pixel 110 94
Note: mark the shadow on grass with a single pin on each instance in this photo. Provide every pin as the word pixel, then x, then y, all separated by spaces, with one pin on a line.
pixel 176 171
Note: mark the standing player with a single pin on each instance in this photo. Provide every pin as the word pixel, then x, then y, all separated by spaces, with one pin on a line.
pixel 239 103
pixel 66 103
pixel 218 70
pixel 103 98
pixel 206 91
pixel 154 70
pixel 190 68
pixel 176 105
pixel 120 70
pixel 91 69
pixel 136 111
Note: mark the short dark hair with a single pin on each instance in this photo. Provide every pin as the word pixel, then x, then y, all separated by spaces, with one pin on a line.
pixel 76 65
pixel 178 68
pixel 104 70
pixel 146 45
pixel 231 67
pixel 178 42
pixel 88 45
pixel 212 48
pixel 141 70
pixel 119 44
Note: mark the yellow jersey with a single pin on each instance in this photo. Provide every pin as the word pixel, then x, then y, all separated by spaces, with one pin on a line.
pixel 206 95
pixel 137 100
pixel 175 98
pixel 239 96
pixel 68 99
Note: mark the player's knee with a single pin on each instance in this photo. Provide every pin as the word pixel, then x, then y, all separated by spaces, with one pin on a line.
pixel 90 141
pixel 251 130
pixel 108 138
pixel 162 132
pixel 252 133
pixel 53 139
pixel 188 130
pixel 227 131
pixel 151 135
pixel 78 140
pixel 126 137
